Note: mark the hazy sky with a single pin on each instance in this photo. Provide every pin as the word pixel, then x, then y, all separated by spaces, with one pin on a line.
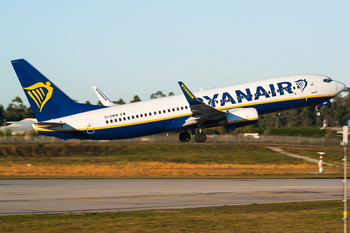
pixel 140 47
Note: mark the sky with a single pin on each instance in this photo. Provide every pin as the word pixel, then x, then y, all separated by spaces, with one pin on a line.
pixel 129 48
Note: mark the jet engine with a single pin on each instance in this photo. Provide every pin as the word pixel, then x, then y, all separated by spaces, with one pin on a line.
pixel 235 118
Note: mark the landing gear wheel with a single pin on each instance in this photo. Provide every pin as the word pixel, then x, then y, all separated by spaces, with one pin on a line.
pixel 184 137
pixel 317 112
pixel 200 137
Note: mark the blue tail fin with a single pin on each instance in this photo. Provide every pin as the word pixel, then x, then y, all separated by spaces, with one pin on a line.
pixel 47 101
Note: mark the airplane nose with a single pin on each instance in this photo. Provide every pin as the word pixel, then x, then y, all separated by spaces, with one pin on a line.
pixel 341 86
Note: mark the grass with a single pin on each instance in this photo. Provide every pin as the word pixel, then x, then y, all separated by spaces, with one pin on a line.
pixel 333 155
pixel 287 217
pixel 152 160
pixel 153 169
pixel 173 153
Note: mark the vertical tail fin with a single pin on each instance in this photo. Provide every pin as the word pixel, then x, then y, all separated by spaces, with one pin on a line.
pixel 46 99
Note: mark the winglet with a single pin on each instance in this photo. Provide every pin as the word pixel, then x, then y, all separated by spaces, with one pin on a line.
pixel 102 97
pixel 191 98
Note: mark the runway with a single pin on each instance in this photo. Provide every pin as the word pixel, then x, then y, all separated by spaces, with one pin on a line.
pixel 94 195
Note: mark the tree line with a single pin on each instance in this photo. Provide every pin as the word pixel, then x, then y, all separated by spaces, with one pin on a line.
pixel 336 114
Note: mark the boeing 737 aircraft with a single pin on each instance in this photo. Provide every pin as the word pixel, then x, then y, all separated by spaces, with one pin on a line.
pixel 230 107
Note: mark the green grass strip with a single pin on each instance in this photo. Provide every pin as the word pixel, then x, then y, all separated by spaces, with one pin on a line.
pixel 287 217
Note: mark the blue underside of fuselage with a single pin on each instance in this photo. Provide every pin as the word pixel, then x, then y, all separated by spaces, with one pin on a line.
pixel 149 128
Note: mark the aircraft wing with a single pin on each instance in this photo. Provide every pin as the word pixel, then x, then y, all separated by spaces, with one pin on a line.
pixel 201 112
pixel 103 98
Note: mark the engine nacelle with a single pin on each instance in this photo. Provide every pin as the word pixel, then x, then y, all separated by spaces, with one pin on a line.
pixel 241 117
pixel 236 118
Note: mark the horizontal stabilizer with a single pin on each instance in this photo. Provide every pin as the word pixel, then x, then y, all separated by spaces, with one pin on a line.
pixel 48 125
pixel 24 123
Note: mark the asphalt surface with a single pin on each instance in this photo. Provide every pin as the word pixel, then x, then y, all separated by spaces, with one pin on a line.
pixel 94 195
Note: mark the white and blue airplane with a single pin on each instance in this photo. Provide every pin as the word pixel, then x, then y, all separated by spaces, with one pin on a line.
pixel 230 107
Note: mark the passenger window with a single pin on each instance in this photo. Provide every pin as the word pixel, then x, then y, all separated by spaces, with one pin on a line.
pixel 178 108
pixel 185 107
pixel 132 117
pixel 115 120
pixel 168 110
pixel 120 119
pixel 137 116
pixel 173 109
pixel 182 108
pixel 160 112
pixel 141 115
pixel 155 113
pixel 145 114
pixel 294 88
pixel 128 118
pixel 106 122
pixel 124 118
pixel 111 121
pixel 150 114
pixel 164 111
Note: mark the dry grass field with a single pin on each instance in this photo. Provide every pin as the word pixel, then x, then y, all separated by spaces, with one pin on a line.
pixel 152 169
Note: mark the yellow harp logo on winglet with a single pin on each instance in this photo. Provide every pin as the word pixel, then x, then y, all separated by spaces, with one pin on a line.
pixel 40 93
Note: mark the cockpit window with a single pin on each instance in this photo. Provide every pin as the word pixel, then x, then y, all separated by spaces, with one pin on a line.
pixel 327 80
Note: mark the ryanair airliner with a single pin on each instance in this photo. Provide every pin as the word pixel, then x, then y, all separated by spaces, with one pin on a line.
pixel 231 107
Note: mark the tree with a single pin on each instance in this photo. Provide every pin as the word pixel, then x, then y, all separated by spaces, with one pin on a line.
pixel 136 99
pixel 158 94
pixel 171 94
pixel 88 102
pixel 16 110
pixel 28 113
pixel 120 101
pixel 2 113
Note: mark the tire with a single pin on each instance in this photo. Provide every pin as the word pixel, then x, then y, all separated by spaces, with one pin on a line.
pixel 184 137
pixel 200 137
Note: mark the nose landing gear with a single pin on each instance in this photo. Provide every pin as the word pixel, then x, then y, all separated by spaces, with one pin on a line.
pixel 317 111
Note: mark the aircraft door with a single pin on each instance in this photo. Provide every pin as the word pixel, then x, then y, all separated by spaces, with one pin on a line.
pixel 89 126
pixel 313 85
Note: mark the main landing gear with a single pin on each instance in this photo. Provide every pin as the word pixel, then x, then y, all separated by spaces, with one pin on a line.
pixel 317 111
pixel 186 137
pixel 200 137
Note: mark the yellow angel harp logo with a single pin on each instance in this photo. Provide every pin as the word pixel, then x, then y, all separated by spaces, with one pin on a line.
pixel 40 93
